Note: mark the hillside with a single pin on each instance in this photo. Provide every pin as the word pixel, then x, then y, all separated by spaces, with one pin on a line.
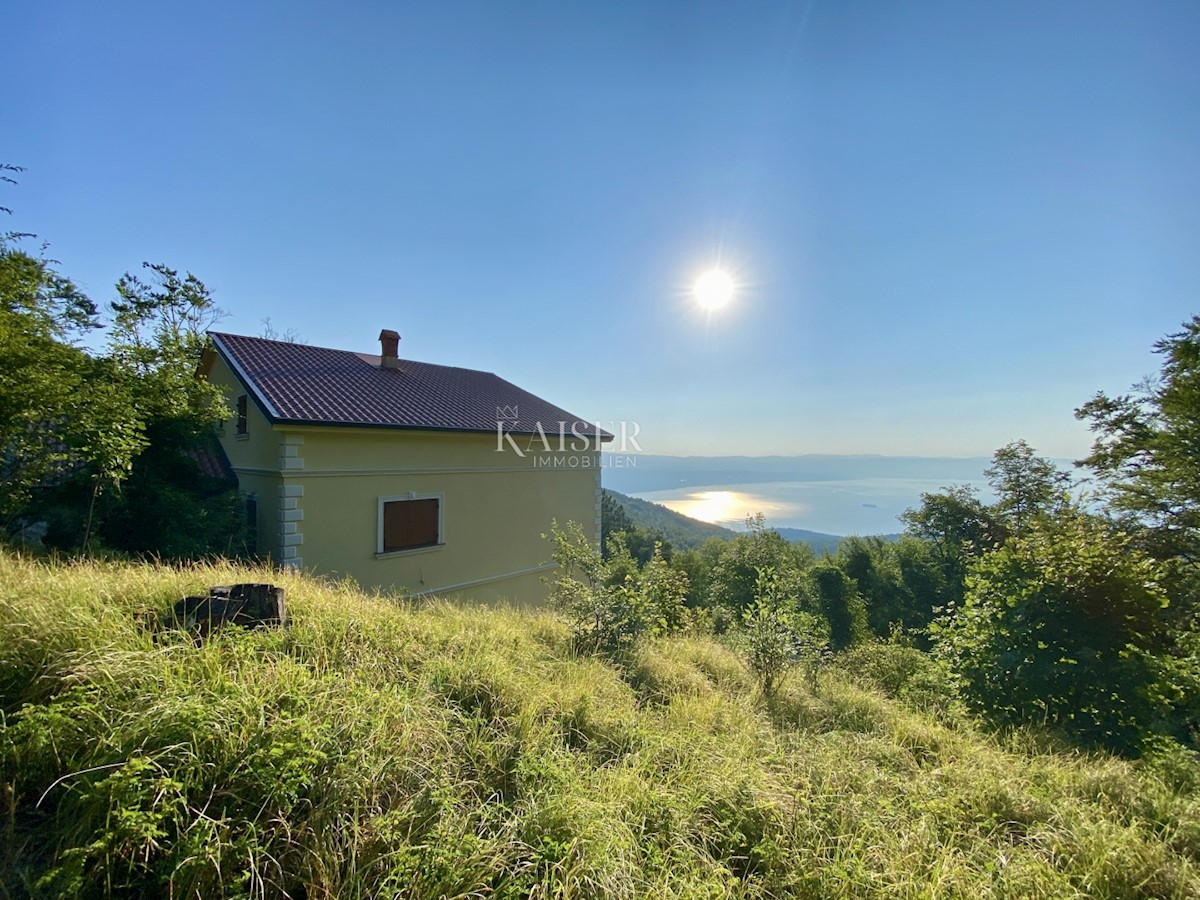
pixel 376 749
pixel 820 543
pixel 683 532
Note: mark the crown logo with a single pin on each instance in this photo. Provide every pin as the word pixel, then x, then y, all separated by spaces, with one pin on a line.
pixel 506 413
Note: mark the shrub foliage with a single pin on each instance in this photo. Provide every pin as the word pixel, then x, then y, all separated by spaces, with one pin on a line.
pixel 611 603
pixel 1061 625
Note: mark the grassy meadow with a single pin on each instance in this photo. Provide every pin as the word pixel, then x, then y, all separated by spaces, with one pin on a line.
pixel 379 749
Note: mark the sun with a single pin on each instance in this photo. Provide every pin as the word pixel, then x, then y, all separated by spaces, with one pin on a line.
pixel 713 289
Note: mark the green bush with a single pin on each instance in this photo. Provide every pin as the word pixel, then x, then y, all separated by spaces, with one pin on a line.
pixel 889 666
pixel 1061 626
pixel 733 578
pixel 610 603
pixel 900 670
pixel 778 633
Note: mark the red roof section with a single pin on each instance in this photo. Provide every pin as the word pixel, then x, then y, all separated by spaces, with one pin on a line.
pixel 299 384
pixel 209 457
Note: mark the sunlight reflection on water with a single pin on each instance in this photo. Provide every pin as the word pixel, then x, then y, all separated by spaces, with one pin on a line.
pixel 851 506
pixel 729 508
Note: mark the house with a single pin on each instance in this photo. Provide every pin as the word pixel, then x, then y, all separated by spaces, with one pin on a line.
pixel 403 475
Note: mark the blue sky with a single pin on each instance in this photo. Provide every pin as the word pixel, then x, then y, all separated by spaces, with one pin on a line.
pixel 950 223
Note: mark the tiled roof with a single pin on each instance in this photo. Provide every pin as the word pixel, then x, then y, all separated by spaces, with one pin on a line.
pixel 210 459
pixel 299 384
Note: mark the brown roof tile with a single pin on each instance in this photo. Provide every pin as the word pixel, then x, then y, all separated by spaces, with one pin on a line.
pixel 210 459
pixel 299 384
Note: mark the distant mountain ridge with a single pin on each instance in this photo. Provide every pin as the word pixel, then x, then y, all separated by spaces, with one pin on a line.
pixel 821 542
pixel 818 540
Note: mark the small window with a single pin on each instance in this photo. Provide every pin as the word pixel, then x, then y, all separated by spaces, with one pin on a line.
pixel 409 522
pixel 241 414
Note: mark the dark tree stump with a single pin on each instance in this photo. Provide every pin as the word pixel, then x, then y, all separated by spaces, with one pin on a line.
pixel 250 605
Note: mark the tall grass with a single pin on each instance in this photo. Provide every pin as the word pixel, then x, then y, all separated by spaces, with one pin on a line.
pixel 376 749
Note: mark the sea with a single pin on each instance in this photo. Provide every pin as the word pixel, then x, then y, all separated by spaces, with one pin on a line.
pixel 829 494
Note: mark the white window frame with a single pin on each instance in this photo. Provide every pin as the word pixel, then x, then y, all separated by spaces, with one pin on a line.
pixel 411 495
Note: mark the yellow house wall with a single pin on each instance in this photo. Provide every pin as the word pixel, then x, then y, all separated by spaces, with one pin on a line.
pixel 318 491
pixel 254 456
pixel 258 449
pixel 495 507
pixel 265 490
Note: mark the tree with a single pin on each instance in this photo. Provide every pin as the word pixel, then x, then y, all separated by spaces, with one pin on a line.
pixel 1062 625
pixel 613 517
pixel 840 603
pixel 44 377
pixel 107 430
pixel 32 288
pixel 1026 485
pixel 697 568
pixel 954 529
pixel 1147 449
pixel 925 588
pixel 958 527
pixel 158 336
pixel 641 542
pixel 41 383
pixel 901 583
pixel 75 428
pixel 870 564
pixel 735 574
pixel 145 401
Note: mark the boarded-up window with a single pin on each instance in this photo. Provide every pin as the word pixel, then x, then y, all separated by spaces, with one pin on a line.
pixel 241 414
pixel 408 524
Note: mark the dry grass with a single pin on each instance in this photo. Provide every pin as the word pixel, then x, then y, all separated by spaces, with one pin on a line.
pixel 375 749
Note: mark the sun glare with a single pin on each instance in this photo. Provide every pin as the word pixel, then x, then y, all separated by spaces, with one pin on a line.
pixel 729 508
pixel 708 506
pixel 713 289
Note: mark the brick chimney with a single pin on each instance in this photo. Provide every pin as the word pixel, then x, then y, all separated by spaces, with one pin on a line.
pixel 389 343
